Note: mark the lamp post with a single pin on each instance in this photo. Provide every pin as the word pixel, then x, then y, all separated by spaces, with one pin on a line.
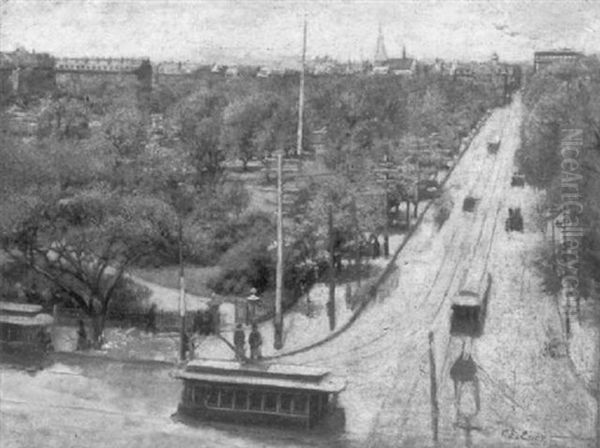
pixel 251 303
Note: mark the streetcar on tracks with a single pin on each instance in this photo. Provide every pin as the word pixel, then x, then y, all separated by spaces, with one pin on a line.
pixel 257 393
pixel 469 305
pixel 493 144
pixel 24 332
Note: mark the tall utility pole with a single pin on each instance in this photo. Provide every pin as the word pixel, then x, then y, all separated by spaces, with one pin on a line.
pixel 182 335
pixel 331 302
pixel 278 323
pixel 435 412
pixel 386 217
pixel 301 96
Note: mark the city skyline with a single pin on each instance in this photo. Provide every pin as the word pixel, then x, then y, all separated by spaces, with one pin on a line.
pixel 266 30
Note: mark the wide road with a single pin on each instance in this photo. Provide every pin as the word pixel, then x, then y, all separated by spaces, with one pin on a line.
pixel 526 397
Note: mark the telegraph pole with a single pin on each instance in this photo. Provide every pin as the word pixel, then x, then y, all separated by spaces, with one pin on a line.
pixel 182 335
pixel 331 302
pixel 386 231
pixel 435 412
pixel 301 96
pixel 278 323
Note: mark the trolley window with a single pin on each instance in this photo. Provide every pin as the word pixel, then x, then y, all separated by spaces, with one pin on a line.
pixel 256 399
pixel 270 402
pixel 226 398
pixel 300 404
pixel 286 403
pixel 212 400
pixel 241 399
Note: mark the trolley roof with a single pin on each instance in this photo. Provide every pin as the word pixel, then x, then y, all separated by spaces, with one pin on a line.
pixel 39 320
pixel 267 375
pixel 25 308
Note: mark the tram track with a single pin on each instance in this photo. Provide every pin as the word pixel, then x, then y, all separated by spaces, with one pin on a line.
pixel 455 259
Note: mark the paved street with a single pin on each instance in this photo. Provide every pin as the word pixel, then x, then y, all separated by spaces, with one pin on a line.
pixel 526 397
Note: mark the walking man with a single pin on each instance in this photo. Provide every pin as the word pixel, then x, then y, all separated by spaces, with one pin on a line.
pixel 255 342
pixel 239 342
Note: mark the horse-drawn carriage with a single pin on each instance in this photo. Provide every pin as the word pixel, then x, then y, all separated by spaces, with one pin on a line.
pixel 514 220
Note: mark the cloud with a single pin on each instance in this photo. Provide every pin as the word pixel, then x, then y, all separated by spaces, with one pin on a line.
pixel 180 29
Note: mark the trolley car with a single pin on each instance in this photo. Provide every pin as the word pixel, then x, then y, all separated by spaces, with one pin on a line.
pixel 493 145
pixel 24 329
pixel 257 393
pixel 469 306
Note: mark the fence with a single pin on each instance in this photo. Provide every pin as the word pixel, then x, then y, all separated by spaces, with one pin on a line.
pixel 164 321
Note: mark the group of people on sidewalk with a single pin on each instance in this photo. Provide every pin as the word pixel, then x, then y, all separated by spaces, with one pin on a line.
pixel 254 341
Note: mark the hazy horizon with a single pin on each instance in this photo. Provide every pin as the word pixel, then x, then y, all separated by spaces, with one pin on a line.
pixel 207 31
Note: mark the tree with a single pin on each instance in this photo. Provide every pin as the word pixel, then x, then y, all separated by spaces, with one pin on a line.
pixel 124 131
pixel 82 243
pixel 65 117
pixel 197 120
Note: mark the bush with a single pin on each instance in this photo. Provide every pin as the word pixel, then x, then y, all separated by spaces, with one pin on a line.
pixel 248 264
pixel 129 297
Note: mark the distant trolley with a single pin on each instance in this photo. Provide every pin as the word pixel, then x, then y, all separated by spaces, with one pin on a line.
pixel 255 393
pixel 24 328
pixel 469 305
pixel 494 144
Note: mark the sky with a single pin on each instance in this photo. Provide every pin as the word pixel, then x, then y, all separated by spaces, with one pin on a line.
pixel 220 30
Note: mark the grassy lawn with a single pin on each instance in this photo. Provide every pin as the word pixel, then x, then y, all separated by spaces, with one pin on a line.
pixel 195 277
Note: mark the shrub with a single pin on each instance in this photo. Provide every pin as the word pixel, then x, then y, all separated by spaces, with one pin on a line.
pixel 246 265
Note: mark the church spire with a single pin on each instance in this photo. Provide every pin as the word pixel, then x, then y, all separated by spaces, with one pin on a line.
pixel 380 53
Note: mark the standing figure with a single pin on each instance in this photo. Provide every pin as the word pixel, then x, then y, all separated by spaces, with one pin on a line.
pixel 255 342
pixel 82 340
pixel 509 221
pixel 239 342
pixel 151 319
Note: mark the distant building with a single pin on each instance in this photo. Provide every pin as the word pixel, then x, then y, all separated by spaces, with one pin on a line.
pixel 232 71
pixel 24 72
pixel 103 65
pixel 79 74
pixel 542 59
pixel 382 65
pixel 380 53
pixel 402 66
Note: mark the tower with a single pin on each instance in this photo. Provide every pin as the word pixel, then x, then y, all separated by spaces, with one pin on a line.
pixel 380 53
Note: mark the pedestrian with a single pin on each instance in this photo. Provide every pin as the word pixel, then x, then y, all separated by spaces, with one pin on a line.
pixel 82 340
pixel 255 342
pixel 151 319
pixel 509 221
pixel 239 342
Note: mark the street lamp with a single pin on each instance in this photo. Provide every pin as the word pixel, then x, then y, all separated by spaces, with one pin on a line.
pixel 251 303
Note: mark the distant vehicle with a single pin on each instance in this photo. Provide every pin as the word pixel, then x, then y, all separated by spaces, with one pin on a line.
pixel 429 189
pixel 469 305
pixel 257 393
pixel 518 180
pixel 514 220
pixel 493 144
pixel 469 203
